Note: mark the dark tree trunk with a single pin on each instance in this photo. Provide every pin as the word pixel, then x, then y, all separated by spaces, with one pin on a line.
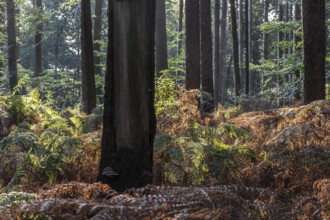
pixel 287 19
pixel 11 31
pixel 180 21
pixel 161 37
pixel 223 48
pixel 265 35
pixel 241 41
pixel 247 51
pixel 129 116
pixel 87 57
pixel 192 45
pixel 206 46
pixel 280 34
pixel 252 75
pixel 314 49
pixel 179 31
pixel 296 48
pixel 235 48
pixel 37 40
pixel 97 39
pixel 216 51
pixel 18 33
pixel 2 32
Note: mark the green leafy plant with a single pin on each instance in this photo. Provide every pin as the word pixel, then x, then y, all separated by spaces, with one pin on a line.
pixel 165 93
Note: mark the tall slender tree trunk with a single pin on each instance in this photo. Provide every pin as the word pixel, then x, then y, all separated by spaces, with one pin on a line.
pixel 296 49
pixel 280 34
pixel 179 32
pixel 280 50
pixel 247 50
pixel 235 48
pixel 265 42
pixel 180 25
pixel 216 51
pixel 11 31
pixel 192 45
pixel 2 37
pixel 161 37
pixel 38 40
pixel 18 33
pixel 223 48
pixel 314 49
pixel 206 46
pixel 241 39
pixel 265 35
pixel 97 39
pixel 129 116
pixel 87 57
pixel 252 76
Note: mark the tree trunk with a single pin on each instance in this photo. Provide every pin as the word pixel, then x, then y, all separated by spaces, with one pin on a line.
pixel 87 57
pixel 2 32
pixel 37 40
pixel 192 45
pixel 18 33
pixel 216 51
pixel 280 34
pixel 179 43
pixel 206 46
pixel 161 37
pixel 223 48
pixel 11 31
pixel 252 74
pixel 247 51
pixel 241 43
pixel 314 49
pixel 97 39
pixel 265 35
pixel 296 49
pixel 180 21
pixel 129 116
pixel 235 48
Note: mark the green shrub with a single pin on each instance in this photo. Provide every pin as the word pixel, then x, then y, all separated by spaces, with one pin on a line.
pixel 201 157
pixel 164 93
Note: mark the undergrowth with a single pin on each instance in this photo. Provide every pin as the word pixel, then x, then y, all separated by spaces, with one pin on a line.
pixel 200 157
pixel 43 142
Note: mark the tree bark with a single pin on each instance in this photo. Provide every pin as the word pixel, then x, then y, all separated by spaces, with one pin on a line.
pixel 2 32
pixel 18 33
pixel 11 31
pixel 129 116
pixel 180 25
pixel 265 35
pixel 97 39
pixel 216 51
pixel 280 34
pixel 296 49
pixel 179 43
pixel 252 75
pixel 161 37
pixel 87 57
pixel 314 49
pixel 192 45
pixel 241 43
pixel 38 40
pixel 206 46
pixel 235 48
pixel 247 51
pixel 223 48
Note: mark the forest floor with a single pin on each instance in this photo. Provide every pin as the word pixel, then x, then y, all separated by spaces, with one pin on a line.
pixel 231 164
